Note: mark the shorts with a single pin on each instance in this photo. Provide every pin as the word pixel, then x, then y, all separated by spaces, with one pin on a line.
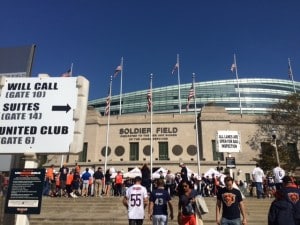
pixel 85 184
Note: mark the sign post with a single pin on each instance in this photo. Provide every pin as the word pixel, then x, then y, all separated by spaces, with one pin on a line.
pixel 41 115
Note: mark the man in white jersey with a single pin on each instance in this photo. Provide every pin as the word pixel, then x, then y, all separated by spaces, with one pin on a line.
pixel 258 177
pixel 278 174
pixel 135 200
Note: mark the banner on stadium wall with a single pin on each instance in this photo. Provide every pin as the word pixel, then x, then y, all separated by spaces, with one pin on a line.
pixel 228 141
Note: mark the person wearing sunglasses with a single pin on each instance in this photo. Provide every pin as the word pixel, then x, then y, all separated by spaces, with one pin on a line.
pixel 187 205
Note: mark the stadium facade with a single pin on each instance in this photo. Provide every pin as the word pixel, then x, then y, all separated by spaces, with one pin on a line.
pixel 256 96
pixel 123 141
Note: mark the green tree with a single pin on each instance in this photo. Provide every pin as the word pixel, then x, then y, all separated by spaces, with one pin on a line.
pixel 284 119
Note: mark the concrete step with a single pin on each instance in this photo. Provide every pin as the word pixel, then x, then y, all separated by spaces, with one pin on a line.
pixel 110 211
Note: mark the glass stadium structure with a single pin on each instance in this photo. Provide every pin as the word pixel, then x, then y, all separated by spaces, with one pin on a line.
pixel 249 96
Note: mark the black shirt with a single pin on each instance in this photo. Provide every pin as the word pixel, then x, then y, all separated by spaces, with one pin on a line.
pixel 63 173
pixel 230 200
pixel 98 175
pixel 184 173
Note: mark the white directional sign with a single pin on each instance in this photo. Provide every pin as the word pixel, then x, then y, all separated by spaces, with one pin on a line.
pixel 36 114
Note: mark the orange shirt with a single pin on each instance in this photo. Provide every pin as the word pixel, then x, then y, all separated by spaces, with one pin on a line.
pixel 119 179
pixel 50 174
pixel 69 179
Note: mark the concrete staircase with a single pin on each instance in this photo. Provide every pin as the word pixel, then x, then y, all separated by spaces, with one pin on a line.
pixel 110 211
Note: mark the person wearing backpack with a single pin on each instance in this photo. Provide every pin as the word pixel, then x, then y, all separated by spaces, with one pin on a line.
pixel 285 209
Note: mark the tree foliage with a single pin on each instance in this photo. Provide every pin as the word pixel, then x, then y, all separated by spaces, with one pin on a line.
pixel 284 119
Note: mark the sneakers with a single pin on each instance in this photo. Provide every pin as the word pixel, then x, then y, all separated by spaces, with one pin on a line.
pixel 73 195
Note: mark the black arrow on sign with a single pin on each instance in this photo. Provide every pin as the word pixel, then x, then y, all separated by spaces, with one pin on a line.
pixel 61 108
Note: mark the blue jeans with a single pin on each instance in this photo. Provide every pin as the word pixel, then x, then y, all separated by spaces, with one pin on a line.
pixel 160 219
pixel 259 189
pixel 46 188
pixel 225 221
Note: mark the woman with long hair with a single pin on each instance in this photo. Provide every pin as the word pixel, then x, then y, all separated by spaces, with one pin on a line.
pixel 108 183
pixel 186 205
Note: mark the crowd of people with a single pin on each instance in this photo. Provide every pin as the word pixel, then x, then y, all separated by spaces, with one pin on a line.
pixel 191 204
pixel 90 183
pixel 157 193
pixel 75 182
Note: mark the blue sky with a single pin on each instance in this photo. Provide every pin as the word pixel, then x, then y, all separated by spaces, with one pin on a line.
pixel 95 34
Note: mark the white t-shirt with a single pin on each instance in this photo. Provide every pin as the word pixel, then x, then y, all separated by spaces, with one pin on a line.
pixel 258 174
pixel 135 196
pixel 278 174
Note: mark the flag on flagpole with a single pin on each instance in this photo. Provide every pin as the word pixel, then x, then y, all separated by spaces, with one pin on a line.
pixel 108 101
pixel 149 100
pixel 118 70
pixel 175 68
pixel 290 73
pixel 233 67
pixel 107 108
pixel 68 73
pixel 190 96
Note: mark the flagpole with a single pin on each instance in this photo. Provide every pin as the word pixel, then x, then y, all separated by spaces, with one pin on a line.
pixel 178 75
pixel 71 70
pixel 291 74
pixel 121 86
pixel 196 124
pixel 151 123
pixel 107 130
pixel 238 84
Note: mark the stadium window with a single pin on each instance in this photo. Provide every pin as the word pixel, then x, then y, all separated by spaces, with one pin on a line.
pixel 83 153
pixel 217 156
pixel 134 151
pixel 293 152
pixel 163 151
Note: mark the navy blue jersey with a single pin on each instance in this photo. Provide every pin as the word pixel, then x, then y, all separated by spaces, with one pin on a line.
pixel 292 195
pixel 230 200
pixel 160 198
pixel 281 212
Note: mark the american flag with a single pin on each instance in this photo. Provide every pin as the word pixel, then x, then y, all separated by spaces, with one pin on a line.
pixel 149 100
pixel 233 67
pixel 107 107
pixel 175 68
pixel 117 70
pixel 190 96
pixel 290 73
pixel 68 73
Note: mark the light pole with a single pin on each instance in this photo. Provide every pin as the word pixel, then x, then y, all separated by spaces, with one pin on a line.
pixel 275 145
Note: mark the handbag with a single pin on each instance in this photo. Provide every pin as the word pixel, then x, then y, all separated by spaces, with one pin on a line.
pixel 201 205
